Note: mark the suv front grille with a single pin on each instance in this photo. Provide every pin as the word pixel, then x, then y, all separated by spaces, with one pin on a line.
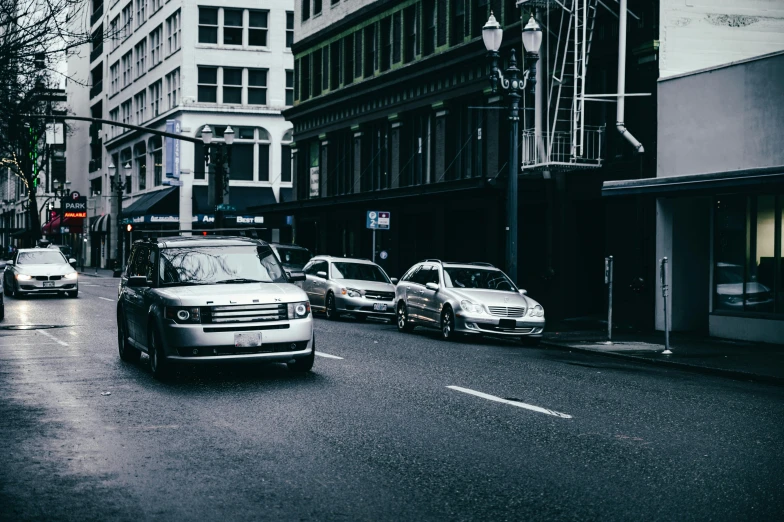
pixel 507 311
pixel 379 296
pixel 244 313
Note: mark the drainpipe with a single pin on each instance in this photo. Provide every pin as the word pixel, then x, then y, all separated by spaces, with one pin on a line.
pixel 619 124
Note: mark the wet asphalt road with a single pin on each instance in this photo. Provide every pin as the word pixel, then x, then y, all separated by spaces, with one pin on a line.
pixel 376 435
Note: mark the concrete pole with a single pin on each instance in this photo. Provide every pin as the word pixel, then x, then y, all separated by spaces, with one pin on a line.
pixel 186 202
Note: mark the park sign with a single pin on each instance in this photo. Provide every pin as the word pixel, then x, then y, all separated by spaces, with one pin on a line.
pixel 74 206
pixel 378 220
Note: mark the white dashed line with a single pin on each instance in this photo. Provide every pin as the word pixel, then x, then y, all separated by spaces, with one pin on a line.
pixel 52 337
pixel 512 403
pixel 328 356
pixel 105 298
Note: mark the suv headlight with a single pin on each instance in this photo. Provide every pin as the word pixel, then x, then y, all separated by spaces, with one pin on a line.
pixel 536 311
pixel 23 277
pixel 72 275
pixel 299 310
pixel 473 308
pixel 351 292
pixel 183 315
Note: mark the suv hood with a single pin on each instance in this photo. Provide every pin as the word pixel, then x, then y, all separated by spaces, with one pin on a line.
pixel 245 293
pixel 360 284
pixel 48 269
pixel 491 297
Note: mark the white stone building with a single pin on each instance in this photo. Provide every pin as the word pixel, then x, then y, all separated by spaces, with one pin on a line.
pixel 199 63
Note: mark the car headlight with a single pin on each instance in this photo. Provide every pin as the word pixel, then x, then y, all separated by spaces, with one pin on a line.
pixel 23 277
pixel 473 308
pixel 299 310
pixel 72 275
pixel 536 311
pixel 183 315
pixel 351 292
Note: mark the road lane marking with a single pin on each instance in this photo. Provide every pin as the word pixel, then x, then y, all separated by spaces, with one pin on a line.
pixel 328 356
pixel 52 337
pixel 512 403
pixel 105 298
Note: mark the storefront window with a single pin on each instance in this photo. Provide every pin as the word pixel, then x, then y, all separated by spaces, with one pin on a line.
pixel 746 254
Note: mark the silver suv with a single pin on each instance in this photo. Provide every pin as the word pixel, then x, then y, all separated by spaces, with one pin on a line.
pixel 339 285
pixel 466 298
pixel 207 299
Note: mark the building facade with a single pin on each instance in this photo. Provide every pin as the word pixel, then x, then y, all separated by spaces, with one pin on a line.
pixel 393 112
pixel 191 64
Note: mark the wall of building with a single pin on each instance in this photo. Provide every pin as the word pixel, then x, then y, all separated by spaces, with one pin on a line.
pixel 722 119
pixel 331 11
pixel 697 34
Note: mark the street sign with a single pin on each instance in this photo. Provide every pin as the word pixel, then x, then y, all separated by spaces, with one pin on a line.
pixel 378 220
pixel 74 206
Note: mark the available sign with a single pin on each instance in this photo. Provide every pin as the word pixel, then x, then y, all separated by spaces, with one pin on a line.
pixel 74 206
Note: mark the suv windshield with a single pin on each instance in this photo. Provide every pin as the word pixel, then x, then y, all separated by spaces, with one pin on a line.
pixel 220 264
pixel 358 271
pixel 293 257
pixel 458 277
pixel 44 257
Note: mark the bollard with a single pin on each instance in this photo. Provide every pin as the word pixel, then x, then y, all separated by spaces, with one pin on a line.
pixel 663 279
pixel 608 280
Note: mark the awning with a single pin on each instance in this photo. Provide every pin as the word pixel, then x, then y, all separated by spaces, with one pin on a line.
pixel 101 224
pixel 286 194
pixel 747 180
pixel 164 201
pixel 53 226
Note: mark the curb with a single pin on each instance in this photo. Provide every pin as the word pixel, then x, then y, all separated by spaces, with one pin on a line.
pixel 732 374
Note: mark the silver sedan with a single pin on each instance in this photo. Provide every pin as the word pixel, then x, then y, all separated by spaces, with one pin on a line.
pixel 339 285
pixel 40 270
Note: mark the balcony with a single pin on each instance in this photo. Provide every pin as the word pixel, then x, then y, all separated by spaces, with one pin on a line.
pixel 563 153
pixel 97 14
pixel 96 89
pixel 96 52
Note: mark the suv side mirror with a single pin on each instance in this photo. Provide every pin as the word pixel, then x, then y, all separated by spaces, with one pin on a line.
pixel 295 276
pixel 72 261
pixel 432 286
pixel 138 282
pixel 523 292
pixel 321 274
pixel 9 263
pixel 394 280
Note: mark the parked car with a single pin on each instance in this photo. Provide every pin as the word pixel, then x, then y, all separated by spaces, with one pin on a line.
pixel 339 285
pixel 466 298
pixel 731 286
pixel 65 249
pixel 207 299
pixel 40 270
pixel 292 257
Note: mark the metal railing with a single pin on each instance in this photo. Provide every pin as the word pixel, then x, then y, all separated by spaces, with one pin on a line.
pixel 96 52
pixel 561 149
pixel 97 14
pixel 96 89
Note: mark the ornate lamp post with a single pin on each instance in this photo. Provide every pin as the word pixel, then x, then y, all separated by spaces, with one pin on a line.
pixel 118 185
pixel 514 88
pixel 218 155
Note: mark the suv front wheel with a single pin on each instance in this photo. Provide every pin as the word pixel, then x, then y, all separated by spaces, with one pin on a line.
pixel 160 367
pixel 127 352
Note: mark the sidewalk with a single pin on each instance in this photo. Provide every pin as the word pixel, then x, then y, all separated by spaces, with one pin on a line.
pixel 92 272
pixel 734 359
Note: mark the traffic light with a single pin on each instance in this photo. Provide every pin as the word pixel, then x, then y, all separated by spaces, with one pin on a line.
pixel 129 227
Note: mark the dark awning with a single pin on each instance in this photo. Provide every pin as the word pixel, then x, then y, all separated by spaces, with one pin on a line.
pixel 286 194
pixel 750 180
pixel 241 198
pixel 164 201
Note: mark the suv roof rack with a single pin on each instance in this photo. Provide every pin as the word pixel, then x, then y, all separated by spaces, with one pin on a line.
pixel 431 261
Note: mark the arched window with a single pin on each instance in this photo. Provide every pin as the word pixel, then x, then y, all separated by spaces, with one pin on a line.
pixel 155 146
pixel 285 157
pixel 250 159
pixel 140 159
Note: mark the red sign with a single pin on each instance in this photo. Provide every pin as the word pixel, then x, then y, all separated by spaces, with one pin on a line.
pixel 76 214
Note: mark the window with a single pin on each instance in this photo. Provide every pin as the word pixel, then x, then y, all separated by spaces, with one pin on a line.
pixel 125 159
pixel 459 22
pixel 208 84
pixel 141 57
pixel 115 32
pixel 140 158
pixel 385 37
pixel 114 73
pixel 411 40
pixel 232 85
pixel 257 87
pixel 285 158
pixel 370 50
pixel 173 88
pixel 334 2
pixel 748 270
pixel 316 61
pixel 208 25
pixel 156 51
pixel 232 27
pixel 289 87
pixel 348 60
pixel 140 101
pixel 304 65
pixel 257 28
pixel 305 9
pixel 173 33
pixel 156 95
pixel 127 69
pixel 126 113
pixel 396 37
pixel 114 115
pixel 156 157
pixel 358 54
pixel 429 27
pixel 127 19
pixel 316 7
pixel 141 16
pixel 479 14
pixel 325 68
pixel 289 29
pixel 334 63
pixel 155 5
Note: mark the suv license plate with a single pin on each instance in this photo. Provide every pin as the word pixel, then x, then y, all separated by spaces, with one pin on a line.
pixel 48 284
pixel 247 340
pixel 380 307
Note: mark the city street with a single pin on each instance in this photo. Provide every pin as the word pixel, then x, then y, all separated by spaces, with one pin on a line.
pixel 387 426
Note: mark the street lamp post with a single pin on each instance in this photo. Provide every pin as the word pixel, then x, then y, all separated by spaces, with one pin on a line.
pixel 218 154
pixel 118 185
pixel 62 191
pixel 514 87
